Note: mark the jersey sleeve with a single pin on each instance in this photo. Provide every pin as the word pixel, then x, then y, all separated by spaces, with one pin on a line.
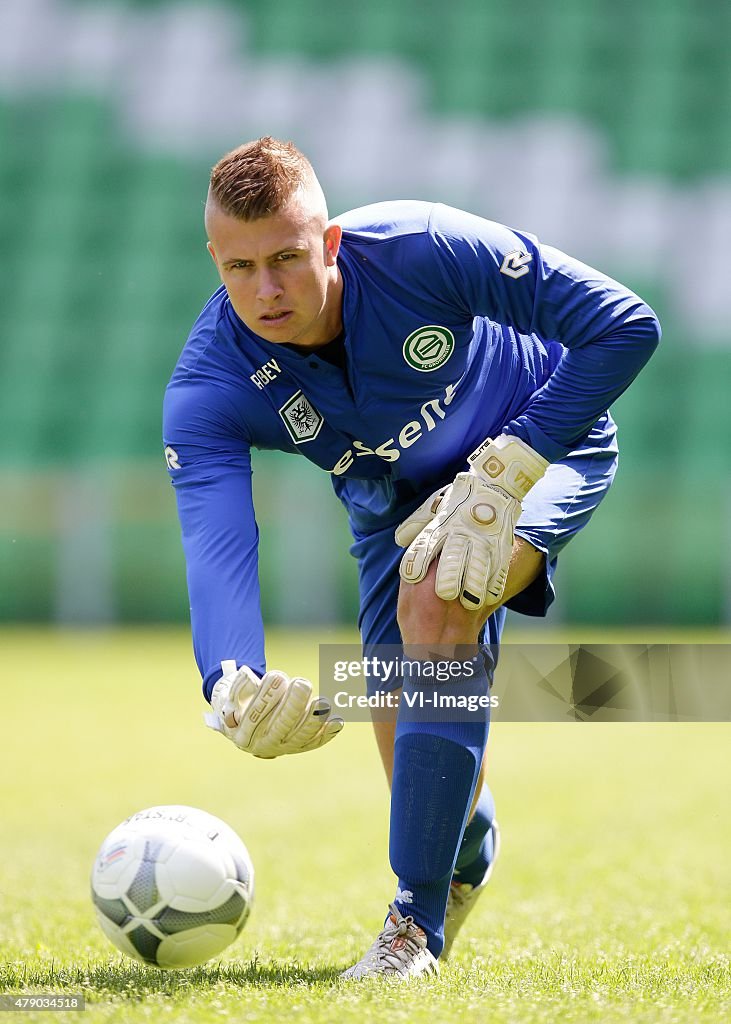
pixel 209 462
pixel 608 332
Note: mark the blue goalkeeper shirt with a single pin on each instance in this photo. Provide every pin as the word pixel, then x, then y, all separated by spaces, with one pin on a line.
pixel 455 329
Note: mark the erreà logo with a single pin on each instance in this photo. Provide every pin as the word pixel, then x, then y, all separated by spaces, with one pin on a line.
pixel 428 348
pixel 301 418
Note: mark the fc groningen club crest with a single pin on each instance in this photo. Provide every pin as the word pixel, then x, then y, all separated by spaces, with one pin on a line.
pixel 428 348
pixel 301 418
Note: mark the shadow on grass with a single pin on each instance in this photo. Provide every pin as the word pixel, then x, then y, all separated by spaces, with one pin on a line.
pixel 130 981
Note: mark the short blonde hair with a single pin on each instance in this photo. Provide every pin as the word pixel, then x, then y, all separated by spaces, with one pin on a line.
pixel 259 178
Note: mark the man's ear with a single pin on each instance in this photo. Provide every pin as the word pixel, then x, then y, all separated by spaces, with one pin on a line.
pixel 332 238
pixel 212 251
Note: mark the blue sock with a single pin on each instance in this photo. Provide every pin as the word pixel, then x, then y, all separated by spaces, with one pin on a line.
pixel 436 764
pixel 476 850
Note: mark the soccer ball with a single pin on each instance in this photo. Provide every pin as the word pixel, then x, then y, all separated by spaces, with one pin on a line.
pixel 172 886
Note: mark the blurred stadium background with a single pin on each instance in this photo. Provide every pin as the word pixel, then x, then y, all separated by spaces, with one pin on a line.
pixel 604 128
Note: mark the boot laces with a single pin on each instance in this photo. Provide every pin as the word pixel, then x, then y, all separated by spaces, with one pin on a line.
pixel 399 940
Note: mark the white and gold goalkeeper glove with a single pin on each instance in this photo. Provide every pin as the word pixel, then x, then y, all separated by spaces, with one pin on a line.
pixel 270 716
pixel 470 524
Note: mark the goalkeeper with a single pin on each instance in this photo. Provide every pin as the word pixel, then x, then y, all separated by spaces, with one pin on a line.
pixel 453 377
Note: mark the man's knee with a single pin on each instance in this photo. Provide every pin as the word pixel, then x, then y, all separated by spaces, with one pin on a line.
pixel 424 618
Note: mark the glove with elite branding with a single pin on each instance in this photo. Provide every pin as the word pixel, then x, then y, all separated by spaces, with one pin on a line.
pixel 270 716
pixel 470 524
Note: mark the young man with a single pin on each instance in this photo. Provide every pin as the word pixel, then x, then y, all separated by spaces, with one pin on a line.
pixel 453 378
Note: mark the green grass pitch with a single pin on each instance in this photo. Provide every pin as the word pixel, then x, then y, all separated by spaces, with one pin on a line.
pixel 610 901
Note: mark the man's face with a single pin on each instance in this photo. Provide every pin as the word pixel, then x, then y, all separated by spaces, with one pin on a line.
pixel 280 272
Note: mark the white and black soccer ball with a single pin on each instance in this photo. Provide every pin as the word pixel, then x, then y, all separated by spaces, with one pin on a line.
pixel 172 886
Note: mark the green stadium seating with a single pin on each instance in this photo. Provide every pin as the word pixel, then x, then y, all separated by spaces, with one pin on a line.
pixel 104 270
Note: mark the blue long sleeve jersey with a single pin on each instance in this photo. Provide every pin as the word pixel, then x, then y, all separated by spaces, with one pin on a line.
pixel 455 329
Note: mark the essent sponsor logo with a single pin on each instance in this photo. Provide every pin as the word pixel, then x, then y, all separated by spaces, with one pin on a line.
pixel 390 449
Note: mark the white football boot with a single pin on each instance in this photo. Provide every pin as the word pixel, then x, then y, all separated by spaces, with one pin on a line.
pixel 399 952
pixel 463 896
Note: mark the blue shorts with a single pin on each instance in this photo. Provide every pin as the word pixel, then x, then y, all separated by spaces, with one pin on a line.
pixel 556 508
